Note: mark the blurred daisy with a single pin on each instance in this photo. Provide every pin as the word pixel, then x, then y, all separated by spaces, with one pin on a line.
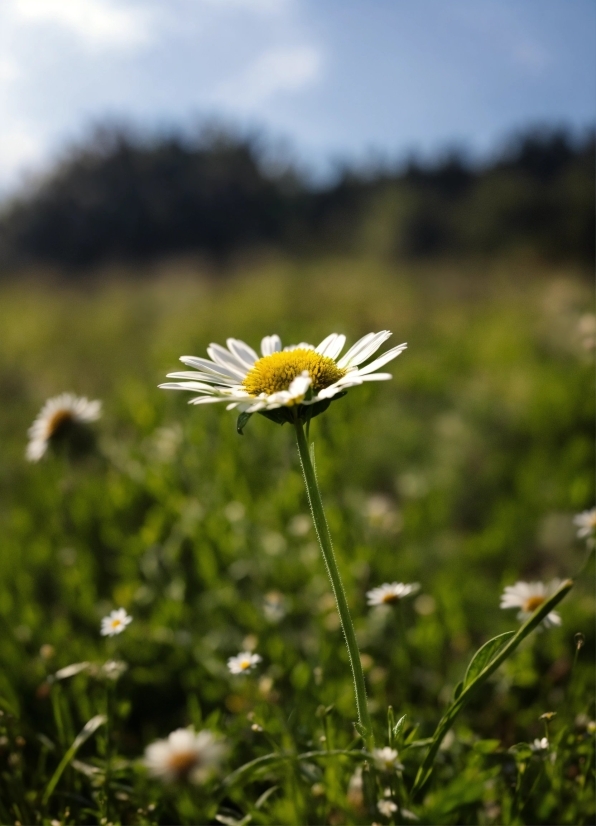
pixel 59 416
pixel 244 662
pixel 300 374
pixel 391 592
pixel 386 807
pixel 386 760
pixel 528 596
pixel 586 523
pixel 115 623
pixel 539 744
pixel 185 755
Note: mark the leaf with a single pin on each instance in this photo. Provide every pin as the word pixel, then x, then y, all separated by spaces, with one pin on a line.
pixel 88 729
pixel 241 422
pixel 483 657
pixel 265 797
pixel 498 652
pixel 458 689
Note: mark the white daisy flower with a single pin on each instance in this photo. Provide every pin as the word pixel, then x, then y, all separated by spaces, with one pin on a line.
pixel 280 378
pixel 185 755
pixel 244 662
pixel 539 744
pixel 58 415
pixel 586 523
pixel 528 596
pixel 386 807
pixel 115 623
pixel 391 592
pixel 386 760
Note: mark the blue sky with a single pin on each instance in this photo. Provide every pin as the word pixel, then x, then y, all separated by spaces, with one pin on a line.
pixel 331 79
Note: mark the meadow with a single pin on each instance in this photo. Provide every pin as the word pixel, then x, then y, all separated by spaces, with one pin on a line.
pixel 462 474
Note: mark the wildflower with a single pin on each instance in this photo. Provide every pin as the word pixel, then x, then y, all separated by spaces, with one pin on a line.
pixel 185 755
pixel 243 662
pixel 586 523
pixel 115 623
pixel 60 416
pixel 386 807
pixel 386 760
pixel 113 669
pixel 539 744
pixel 296 376
pixel 528 596
pixel 391 592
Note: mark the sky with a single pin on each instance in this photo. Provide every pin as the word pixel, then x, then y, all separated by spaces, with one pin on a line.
pixel 327 80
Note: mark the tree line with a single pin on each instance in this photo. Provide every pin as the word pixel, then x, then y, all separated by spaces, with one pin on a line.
pixel 125 199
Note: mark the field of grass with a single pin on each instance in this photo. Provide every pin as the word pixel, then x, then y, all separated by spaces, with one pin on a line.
pixel 462 474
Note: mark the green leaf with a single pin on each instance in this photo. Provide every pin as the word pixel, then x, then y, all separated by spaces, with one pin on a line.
pixel 483 657
pixel 478 672
pixel 88 729
pixel 458 689
pixel 241 422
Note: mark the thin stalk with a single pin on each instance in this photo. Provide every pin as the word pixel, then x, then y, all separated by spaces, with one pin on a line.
pixel 322 529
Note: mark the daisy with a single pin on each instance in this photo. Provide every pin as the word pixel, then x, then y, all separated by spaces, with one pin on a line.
pixel 528 596
pixel 115 623
pixel 185 755
pixel 386 759
pixel 539 744
pixel 243 662
pixel 586 523
pixel 386 807
pixel 57 417
pixel 300 375
pixel 391 592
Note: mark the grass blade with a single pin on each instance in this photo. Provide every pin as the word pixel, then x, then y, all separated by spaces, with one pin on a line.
pixel 88 729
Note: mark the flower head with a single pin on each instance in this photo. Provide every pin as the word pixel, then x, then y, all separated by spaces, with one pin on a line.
pixel 298 376
pixel 586 523
pixel 391 592
pixel 185 755
pixel 539 744
pixel 386 760
pixel 60 417
pixel 115 623
pixel 244 662
pixel 528 596
pixel 386 807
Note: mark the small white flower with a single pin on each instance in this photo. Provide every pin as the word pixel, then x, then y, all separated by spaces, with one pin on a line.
pixel 386 807
pixel 296 375
pixel 113 669
pixel 386 760
pixel 539 744
pixel 391 592
pixel 115 623
pixel 528 596
pixel 185 755
pixel 57 414
pixel 586 523
pixel 244 662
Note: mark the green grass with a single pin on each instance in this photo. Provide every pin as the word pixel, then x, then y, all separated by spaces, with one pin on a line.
pixel 462 474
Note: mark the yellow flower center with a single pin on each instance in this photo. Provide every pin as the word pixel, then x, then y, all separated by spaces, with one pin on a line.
pixel 532 603
pixel 116 623
pixel 277 371
pixel 182 762
pixel 244 664
pixel 390 597
pixel 58 421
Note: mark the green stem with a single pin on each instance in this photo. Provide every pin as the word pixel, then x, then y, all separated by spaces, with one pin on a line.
pixel 322 529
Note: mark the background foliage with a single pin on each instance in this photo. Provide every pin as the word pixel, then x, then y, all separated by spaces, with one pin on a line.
pixel 463 474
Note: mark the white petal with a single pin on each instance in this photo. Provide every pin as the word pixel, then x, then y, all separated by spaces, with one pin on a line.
pixel 270 344
pixel 332 345
pixel 226 359
pixel 194 386
pixel 388 356
pixel 208 377
pixel 363 348
pixel 242 351
pixel 209 366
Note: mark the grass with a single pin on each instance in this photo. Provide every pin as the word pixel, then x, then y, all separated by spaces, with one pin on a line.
pixel 462 474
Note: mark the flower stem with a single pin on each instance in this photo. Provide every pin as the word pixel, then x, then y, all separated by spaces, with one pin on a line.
pixel 322 529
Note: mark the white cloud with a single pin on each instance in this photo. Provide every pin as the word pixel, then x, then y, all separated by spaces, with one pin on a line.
pixel 288 69
pixel 19 148
pixel 95 23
